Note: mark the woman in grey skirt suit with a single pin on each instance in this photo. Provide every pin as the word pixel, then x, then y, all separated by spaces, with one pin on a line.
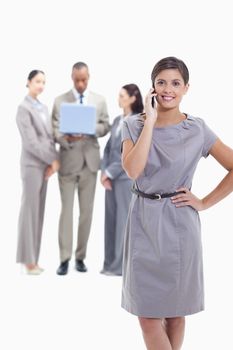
pixel 162 271
pixel 117 184
pixel 39 160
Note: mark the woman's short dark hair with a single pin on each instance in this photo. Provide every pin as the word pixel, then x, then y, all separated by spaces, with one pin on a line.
pixel 33 73
pixel 170 63
pixel 133 90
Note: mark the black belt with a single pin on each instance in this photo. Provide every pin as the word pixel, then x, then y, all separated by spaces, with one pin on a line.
pixel 156 196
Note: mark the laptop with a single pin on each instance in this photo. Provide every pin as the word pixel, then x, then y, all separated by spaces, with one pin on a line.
pixel 77 119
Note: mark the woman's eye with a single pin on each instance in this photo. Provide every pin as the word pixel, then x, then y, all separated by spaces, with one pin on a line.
pixel 176 83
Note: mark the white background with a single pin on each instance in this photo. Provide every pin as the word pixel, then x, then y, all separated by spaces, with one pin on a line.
pixel 120 41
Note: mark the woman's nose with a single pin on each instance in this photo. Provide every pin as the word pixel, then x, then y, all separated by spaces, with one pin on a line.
pixel 167 88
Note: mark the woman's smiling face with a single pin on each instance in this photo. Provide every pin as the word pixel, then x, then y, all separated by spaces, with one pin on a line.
pixel 170 88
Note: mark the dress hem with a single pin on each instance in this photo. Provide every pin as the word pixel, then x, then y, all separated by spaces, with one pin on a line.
pixel 159 315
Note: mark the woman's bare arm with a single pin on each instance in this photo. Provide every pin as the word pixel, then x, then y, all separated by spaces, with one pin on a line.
pixel 224 155
pixel 134 156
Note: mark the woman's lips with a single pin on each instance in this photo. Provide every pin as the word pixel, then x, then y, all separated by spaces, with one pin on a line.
pixel 167 98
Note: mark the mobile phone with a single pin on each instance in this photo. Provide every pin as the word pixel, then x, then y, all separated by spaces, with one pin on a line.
pixel 153 98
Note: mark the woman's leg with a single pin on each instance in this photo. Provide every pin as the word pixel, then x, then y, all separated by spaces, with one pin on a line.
pixel 32 179
pixel 122 200
pixel 154 334
pixel 175 331
pixel 109 228
pixel 43 191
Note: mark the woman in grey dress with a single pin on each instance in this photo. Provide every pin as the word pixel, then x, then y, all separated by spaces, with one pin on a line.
pixel 39 160
pixel 162 271
pixel 117 184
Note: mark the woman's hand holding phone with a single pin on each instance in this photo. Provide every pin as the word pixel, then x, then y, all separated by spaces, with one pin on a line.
pixel 150 106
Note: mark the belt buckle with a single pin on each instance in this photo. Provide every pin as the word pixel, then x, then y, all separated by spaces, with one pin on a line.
pixel 158 196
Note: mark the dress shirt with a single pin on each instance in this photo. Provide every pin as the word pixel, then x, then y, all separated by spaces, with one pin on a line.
pixel 38 105
pixel 85 95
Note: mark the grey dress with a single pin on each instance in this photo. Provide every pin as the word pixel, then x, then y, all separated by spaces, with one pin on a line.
pixel 162 268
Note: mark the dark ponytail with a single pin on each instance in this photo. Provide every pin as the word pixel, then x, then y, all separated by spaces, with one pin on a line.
pixel 33 73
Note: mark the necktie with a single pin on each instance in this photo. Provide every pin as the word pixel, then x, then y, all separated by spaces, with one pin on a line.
pixel 81 98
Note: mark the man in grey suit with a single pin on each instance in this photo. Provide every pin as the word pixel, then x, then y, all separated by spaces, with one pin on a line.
pixel 80 161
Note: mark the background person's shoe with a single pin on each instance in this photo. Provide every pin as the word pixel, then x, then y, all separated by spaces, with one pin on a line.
pixel 109 273
pixel 80 266
pixel 63 268
pixel 34 271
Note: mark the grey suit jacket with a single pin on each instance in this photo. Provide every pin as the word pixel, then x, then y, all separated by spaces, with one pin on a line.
pixel 112 154
pixel 73 155
pixel 38 147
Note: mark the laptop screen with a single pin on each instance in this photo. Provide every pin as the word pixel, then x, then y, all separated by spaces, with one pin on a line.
pixel 77 119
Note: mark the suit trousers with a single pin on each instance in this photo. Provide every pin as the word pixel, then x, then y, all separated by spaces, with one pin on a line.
pixel 116 210
pixel 85 182
pixel 31 215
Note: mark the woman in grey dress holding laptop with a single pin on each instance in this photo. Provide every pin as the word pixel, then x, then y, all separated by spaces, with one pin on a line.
pixel 162 271
pixel 39 160
pixel 117 184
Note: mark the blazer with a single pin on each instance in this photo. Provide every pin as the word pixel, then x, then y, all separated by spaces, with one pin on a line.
pixel 38 147
pixel 74 155
pixel 112 154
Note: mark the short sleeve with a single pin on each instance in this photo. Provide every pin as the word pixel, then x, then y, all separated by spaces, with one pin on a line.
pixel 209 138
pixel 131 128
